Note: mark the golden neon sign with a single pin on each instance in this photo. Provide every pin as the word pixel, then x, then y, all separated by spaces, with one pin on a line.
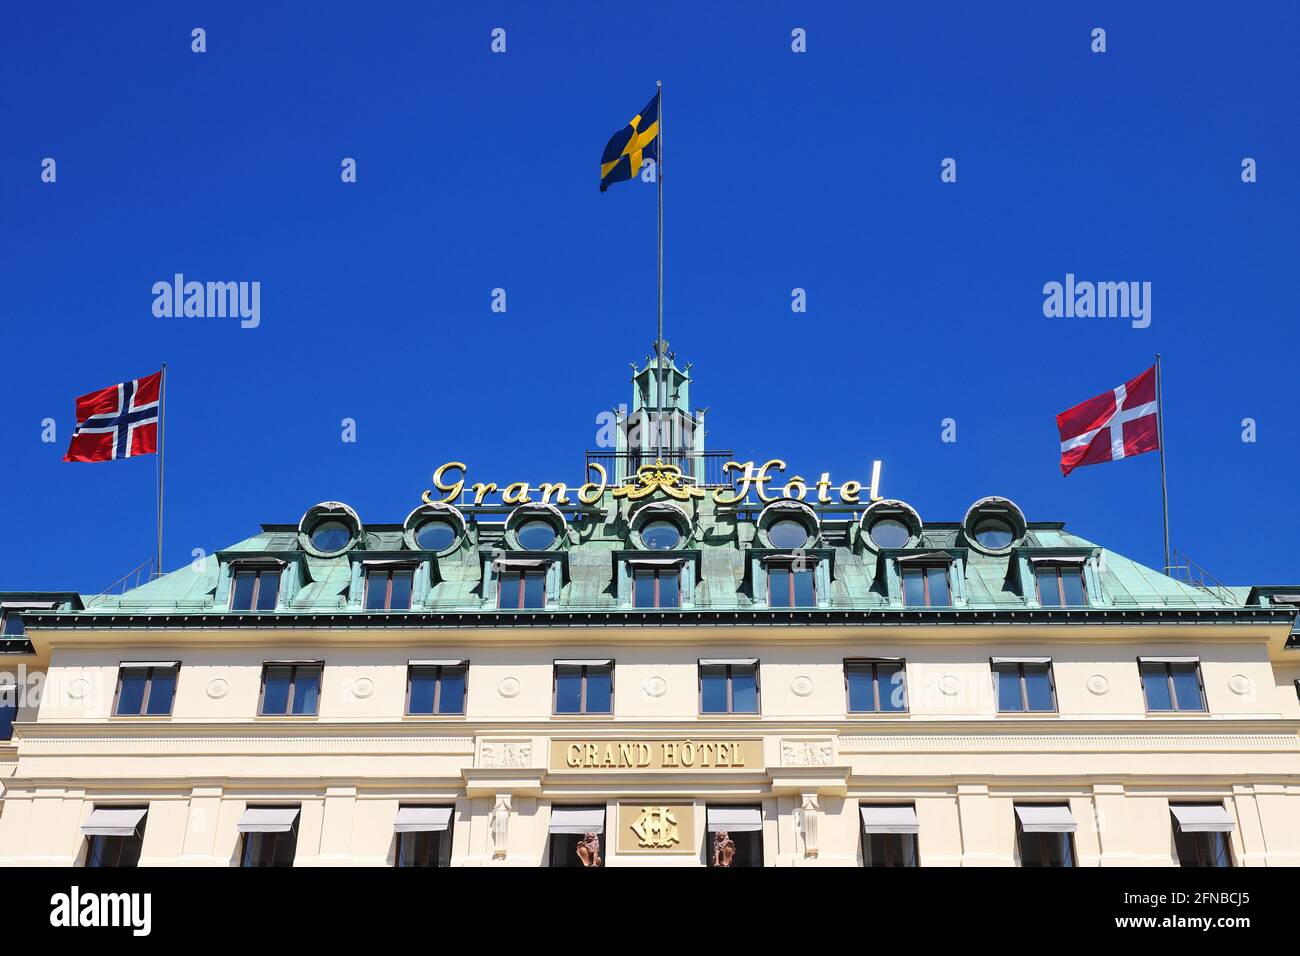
pixel 759 480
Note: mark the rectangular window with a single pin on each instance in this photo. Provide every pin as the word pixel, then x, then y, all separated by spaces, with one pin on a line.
pixel 1201 834
pixel 270 836
pixel 926 586
pixel 115 836
pixel 734 836
pixel 729 687
pixel 423 836
pixel 876 687
pixel 1024 686
pixel 791 586
pixel 571 830
pixel 1172 686
pixel 584 687
pixel 656 587
pixel 146 690
pixel 291 690
pixel 389 589
pixel 436 688
pixel 1060 585
pixel 13 624
pixel 889 849
pixel 8 710
pixel 522 589
pixel 255 589
pixel 1045 835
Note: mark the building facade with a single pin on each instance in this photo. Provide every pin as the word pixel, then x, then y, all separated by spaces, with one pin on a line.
pixel 673 664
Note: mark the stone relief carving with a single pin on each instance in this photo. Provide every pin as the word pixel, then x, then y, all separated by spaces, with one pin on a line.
pixel 498 824
pixel 806 753
pixel 506 753
pixel 806 816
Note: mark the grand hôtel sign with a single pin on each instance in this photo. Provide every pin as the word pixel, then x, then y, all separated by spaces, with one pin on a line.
pixel 759 480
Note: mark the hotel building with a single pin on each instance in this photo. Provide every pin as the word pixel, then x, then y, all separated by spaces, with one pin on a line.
pixel 533 675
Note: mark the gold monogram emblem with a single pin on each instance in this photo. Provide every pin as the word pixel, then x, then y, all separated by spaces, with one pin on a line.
pixel 656 828
pixel 658 477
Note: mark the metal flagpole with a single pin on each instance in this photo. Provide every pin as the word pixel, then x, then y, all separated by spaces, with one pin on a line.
pixel 162 423
pixel 1160 436
pixel 659 342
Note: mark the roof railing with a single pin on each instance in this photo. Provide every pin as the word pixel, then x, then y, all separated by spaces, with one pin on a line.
pixel 127 582
pixel 1186 571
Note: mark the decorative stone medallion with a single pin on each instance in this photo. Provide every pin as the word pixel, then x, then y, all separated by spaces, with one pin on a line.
pixel 509 687
pixel 218 688
pixel 949 685
pixel 363 687
pixel 1240 684
pixel 801 685
pixel 1098 684
pixel 654 686
pixel 78 688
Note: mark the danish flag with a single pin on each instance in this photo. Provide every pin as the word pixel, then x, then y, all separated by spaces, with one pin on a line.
pixel 1117 424
pixel 120 421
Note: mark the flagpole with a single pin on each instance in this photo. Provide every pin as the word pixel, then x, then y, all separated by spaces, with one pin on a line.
pixel 162 423
pixel 659 341
pixel 1160 435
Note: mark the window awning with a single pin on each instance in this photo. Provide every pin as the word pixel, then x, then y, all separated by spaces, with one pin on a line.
pixel 391 562
pixel 1201 818
pixel 422 819
pixel 523 563
pixel 1168 660
pixel 447 663
pixel 1036 818
pixel 729 660
pixel 587 663
pixel 29 605
pixel 931 557
pixel 1058 559
pixel 1022 660
pixel 579 820
pixel 656 562
pixel 889 819
pixel 735 819
pixel 150 664
pixel 113 821
pixel 791 557
pixel 268 819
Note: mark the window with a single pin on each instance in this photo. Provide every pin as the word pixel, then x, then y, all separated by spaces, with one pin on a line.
pixel 389 589
pixel 787 533
pixel 791 585
pixel 1171 685
pixel 889 835
pixel 577 837
pixel 734 836
pixel 115 836
pixel 1024 686
pixel 1060 585
pixel 729 687
pixel 435 535
pixel 146 690
pixel 926 586
pixel 423 836
pixel 584 687
pixel 436 687
pixel 1201 834
pixel 291 689
pixel 8 710
pixel 890 533
pixel 875 687
pixel 270 836
pixel 660 535
pixel 1045 834
pixel 255 589
pixel 522 589
pixel 330 536
pixel 994 533
pixel 656 587
pixel 13 624
pixel 536 534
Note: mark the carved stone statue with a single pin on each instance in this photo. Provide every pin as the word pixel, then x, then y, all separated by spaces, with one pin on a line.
pixel 589 850
pixel 724 849
pixel 497 825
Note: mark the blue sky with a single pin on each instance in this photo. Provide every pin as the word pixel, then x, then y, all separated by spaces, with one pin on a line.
pixel 478 170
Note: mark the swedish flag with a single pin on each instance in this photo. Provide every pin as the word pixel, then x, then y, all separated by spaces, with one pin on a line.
pixel 630 146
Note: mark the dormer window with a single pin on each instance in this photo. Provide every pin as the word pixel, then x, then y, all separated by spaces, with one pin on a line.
pixel 927 585
pixel 890 533
pixel 535 535
pixel 656 586
pixel 328 529
pixel 521 588
pixel 330 536
pixel 389 588
pixel 13 624
pixel 660 535
pixel 255 589
pixel 436 535
pixel 1060 585
pixel 791 584
pixel 787 533
pixel 994 533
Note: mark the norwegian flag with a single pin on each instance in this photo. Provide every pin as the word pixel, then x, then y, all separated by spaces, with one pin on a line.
pixel 1117 424
pixel 120 421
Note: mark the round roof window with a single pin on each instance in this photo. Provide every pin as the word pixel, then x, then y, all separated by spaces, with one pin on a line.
pixel 787 533
pixel 890 533
pixel 994 533
pixel 661 535
pixel 330 536
pixel 536 534
pixel 435 535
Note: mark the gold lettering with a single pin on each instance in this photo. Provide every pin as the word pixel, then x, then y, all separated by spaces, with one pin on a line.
pixel 482 490
pixel 763 477
pixel 451 491
pixel 670 755
pixel 796 488
pixel 688 754
pixel 705 759
pixel 516 493
pixel 610 760
pixel 573 756
pixel 723 757
pixel 590 493
pixel 824 488
pixel 592 751
pixel 644 759
pixel 738 754
pixel 849 492
pixel 625 754
pixel 746 480
pixel 548 488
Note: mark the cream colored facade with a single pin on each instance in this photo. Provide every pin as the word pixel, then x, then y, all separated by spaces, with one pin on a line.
pixel 962 765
